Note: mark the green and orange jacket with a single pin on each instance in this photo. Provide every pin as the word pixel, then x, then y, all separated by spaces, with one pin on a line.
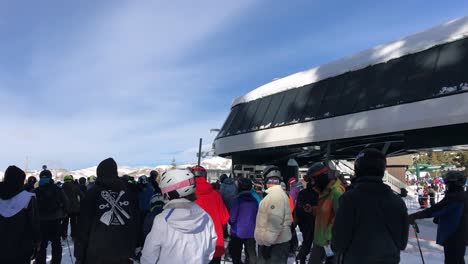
pixel 326 211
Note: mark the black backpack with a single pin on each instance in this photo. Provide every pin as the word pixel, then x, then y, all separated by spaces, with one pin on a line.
pixel 48 199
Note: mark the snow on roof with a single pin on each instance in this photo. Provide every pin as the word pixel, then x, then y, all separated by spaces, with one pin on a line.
pixel 448 32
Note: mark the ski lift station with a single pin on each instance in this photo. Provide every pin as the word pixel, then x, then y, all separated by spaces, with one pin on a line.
pixel 401 97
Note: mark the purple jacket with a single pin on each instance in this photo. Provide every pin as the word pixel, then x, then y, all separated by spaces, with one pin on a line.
pixel 243 215
pixel 294 192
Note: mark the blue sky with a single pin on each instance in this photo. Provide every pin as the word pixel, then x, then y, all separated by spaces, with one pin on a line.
pixel 141 81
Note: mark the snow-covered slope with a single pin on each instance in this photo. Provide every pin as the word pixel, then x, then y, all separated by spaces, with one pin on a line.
pixel 215 163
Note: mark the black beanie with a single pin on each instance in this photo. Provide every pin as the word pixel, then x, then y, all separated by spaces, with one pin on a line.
pixel 107 169
pixel 370 162
pixel 45 174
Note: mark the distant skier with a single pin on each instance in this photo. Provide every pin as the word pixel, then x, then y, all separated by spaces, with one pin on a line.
pixel 294 243
pixel 157 206
pixel 451 214
pixel 53 206
pixel 30 184
pixel 183 232
pixel 82 184
pixel 153 179
pixel 91 181
pixel 146 191
pixel 294 188
pixel 371 224
pixel 74 195
pixel 228 190
pixel 108 220
pixel 19 219
pixel 432 194
pixel 213 204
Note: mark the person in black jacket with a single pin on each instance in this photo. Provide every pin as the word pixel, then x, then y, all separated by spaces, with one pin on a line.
pixel 108 220
pixel 432 195
pixel 306 200
pixel 19 219
pixel 53 207
pixel 153 179
pixel 371 225
pixel 30 184
pixel 157 206
pixel 74 195
pixel 82 184
pixel 451 214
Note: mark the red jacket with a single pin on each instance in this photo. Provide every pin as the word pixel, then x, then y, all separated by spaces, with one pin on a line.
pixel 212 203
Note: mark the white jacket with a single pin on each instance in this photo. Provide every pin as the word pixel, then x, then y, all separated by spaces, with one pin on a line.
pixel 182 233
pixel 273 218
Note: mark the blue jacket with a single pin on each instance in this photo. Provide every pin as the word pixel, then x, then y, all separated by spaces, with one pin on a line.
pixel 255 195
pixel 149 218
pixel 243 215
pixel 451 214
pixel 144 197
pixel 228 192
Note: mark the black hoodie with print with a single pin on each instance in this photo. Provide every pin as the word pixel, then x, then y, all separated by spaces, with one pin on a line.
pixel 108 220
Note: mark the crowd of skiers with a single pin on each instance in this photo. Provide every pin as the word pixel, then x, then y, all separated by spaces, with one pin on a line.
pixel 179 217
pixel 427 195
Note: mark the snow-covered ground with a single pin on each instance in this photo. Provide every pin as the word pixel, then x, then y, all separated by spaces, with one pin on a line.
pixel 433 253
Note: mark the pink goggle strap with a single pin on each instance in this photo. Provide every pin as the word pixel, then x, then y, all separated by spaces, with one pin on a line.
pixel 179 185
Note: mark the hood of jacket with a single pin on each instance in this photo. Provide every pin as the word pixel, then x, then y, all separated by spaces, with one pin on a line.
pixel 13 206
pixel 107 175
pixel 203 187
pixel 246 196
pixel 229 181
pixel 274 188
pixel 371 185
pixel 186 216
pixel 12 183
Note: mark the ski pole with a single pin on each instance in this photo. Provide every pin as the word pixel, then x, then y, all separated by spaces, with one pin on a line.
pixel 416 232
pixel 69 251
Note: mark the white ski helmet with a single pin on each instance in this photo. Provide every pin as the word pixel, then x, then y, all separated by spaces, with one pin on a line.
pixel 177 183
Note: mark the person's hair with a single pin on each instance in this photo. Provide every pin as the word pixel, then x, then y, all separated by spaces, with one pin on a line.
pixel 216 186
pixel 192 197
pixel 223 177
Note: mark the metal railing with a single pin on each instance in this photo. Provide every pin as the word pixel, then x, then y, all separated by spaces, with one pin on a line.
pixel 395 184
pixel 412 203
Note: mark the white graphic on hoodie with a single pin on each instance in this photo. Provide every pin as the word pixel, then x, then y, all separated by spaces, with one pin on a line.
pixel 114 215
